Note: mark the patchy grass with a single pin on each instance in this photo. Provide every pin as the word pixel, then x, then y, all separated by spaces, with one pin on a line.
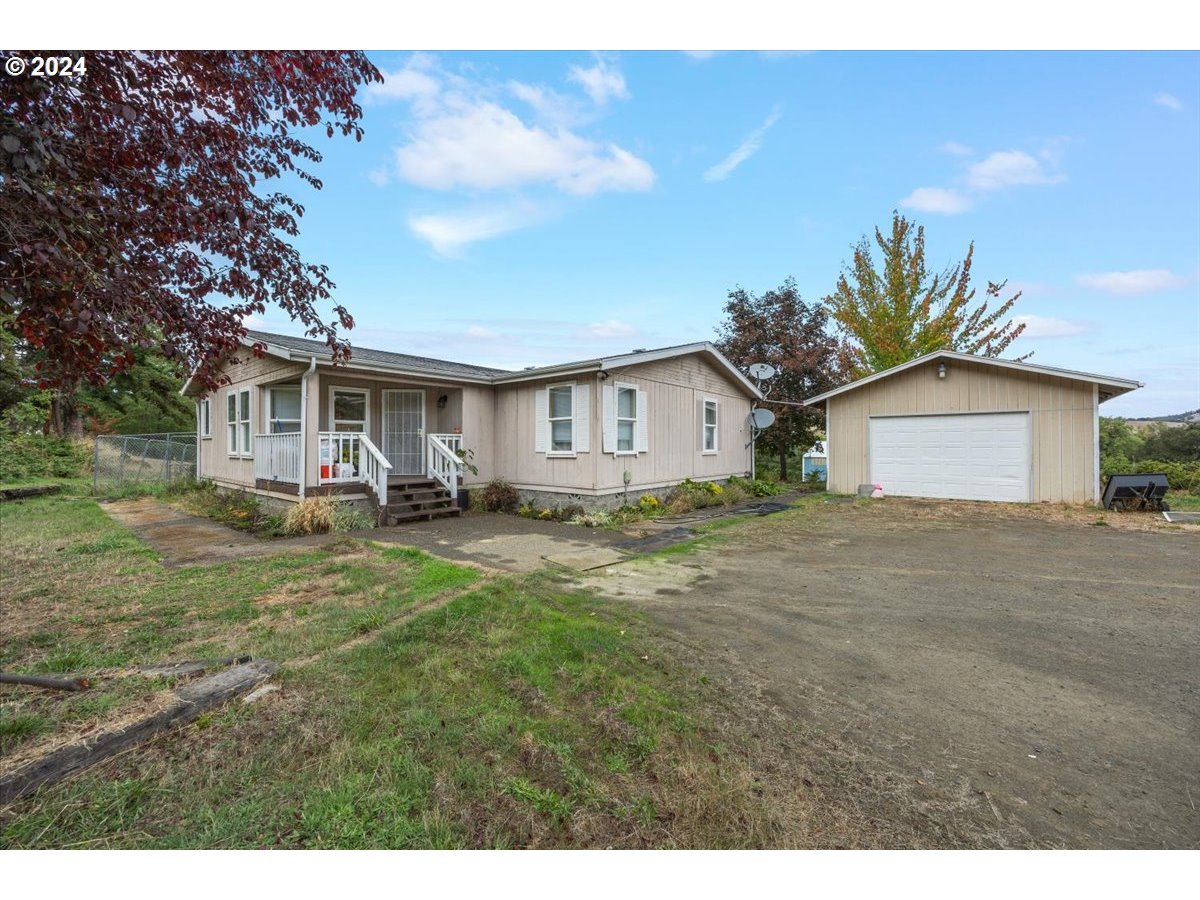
pixel 421 705
pixel 1184 501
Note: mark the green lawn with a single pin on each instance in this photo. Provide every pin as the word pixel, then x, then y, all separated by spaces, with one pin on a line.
pixel 421 704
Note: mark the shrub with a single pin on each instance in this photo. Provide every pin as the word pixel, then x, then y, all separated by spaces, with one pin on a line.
pixel 649 504
pixel 500 496
pixel 756 487
pixel 312 515
pixel 28 456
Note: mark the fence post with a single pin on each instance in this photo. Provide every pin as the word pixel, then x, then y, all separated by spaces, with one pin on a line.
pixel 95 462
pixel 121 468
pixel 167 461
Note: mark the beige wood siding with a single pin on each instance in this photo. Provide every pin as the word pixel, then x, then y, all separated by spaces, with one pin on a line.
pixel 215 461
pixel 674 389
pixel 1062 420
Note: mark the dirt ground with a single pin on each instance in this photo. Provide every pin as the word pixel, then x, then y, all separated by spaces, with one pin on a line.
pixel 1030 665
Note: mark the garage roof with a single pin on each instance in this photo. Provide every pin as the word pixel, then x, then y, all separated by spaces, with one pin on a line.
pixel 1109 386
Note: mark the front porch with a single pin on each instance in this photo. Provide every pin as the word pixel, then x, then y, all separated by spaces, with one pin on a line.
pixel 364 439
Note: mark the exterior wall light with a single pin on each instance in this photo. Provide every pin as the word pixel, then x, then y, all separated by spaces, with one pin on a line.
pixel 941 370
pixel 441 401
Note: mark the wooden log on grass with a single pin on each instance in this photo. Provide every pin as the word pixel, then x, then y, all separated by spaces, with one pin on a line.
pixel 192 700
pixel 44 681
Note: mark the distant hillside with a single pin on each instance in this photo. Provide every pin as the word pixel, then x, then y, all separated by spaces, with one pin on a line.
pixel 1193 416
pixel 1176 421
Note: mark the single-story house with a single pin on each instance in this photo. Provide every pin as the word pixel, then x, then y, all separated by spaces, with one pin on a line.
pixel 951 425
pixel 404 432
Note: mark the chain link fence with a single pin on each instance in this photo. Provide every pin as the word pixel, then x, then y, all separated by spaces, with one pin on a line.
pixel 125 461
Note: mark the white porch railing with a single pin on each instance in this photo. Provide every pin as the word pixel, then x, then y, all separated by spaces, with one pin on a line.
pixel 452 441
pixel 348 457
pixel 444 463
pixel 277 457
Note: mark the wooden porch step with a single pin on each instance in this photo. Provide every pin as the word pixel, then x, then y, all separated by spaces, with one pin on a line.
pixel 431 503
pixel 418 494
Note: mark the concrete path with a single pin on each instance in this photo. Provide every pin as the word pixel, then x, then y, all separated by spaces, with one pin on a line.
pixel 509 543
pixel 182 539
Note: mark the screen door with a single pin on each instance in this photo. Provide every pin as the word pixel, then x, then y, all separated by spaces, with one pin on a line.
pixel 404 431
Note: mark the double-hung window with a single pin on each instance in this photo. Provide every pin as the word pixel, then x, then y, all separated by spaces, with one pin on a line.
pixel 561 418
pixel 349 409
pixel 284 410
pixel 710 426
pixel 627 416
pixel 237 422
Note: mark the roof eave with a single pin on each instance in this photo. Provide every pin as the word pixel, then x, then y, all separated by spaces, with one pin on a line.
pixel 1119 385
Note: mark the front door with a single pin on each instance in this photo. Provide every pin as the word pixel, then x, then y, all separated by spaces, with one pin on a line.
pixel 404 431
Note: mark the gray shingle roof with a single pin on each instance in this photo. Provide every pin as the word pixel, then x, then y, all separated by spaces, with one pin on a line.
pixel 365 355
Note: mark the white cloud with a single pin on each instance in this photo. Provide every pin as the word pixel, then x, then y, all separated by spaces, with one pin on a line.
pixel 954 148
pixel 485 146
pixel 463 136
pixel 1007 168
pixel 612 328
pixel 449 233
pixel 1170 101
pixel 1140 281
pixel 409 83
pixel 480 333
pixel 549 105
pixel 1048 327
pixel 380 177
pixel 701 54
pixel 747 148
pixel 601 81
pixel 937 200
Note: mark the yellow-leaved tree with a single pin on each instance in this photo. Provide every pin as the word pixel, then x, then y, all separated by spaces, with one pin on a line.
pixel 900 311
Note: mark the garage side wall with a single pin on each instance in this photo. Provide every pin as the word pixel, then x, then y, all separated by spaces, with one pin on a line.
pixel 1062 420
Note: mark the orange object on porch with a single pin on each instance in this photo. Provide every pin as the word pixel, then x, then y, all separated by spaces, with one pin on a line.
pixel 325 471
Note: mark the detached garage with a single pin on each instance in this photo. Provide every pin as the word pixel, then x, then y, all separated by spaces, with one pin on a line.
pixel 954 426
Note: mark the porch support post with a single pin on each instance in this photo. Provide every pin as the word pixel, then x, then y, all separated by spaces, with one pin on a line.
pixel 304 436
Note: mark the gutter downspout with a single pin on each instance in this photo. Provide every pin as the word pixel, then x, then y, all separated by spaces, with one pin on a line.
pixel 312 367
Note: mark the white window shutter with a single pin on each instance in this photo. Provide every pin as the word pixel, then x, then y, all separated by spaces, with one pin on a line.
pixel 608 397
pixel 582 407
pixel 700 423
pixel 541 421
pixel 643 424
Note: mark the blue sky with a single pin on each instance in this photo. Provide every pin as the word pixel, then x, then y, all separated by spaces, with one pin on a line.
pixel 524 208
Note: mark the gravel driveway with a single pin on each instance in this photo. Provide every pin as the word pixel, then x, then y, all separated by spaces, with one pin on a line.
pixel 1042 669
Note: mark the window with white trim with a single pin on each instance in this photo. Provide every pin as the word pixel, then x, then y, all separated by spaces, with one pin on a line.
pixel 204 411
pixel 561 418
pixel 237 422
pixel 627 416
pixel 348 409
pixel 710 426
pixel 283 409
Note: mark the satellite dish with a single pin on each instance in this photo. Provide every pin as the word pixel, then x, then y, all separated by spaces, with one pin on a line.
pixel 763 371
pixel 762 418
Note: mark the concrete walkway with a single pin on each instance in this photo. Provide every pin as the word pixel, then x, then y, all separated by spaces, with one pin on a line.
pixel 508 543
pixel 182 539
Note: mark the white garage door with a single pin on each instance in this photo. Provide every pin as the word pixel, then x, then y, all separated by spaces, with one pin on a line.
pixel 984 456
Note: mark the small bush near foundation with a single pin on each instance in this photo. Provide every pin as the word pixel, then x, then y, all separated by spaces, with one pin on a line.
pixel 312 515
pixel 756 487
pixel 324 515
pixel 499 496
